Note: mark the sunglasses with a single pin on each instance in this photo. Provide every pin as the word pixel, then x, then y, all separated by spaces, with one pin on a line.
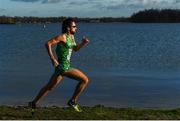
pixel 74 26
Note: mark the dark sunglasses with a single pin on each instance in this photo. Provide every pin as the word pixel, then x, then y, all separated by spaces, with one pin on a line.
pixel 74 26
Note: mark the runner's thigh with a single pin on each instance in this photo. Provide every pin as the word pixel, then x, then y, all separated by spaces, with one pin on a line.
pixel 76 74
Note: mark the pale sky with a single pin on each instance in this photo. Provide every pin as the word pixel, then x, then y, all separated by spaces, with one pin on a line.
pixel 81 8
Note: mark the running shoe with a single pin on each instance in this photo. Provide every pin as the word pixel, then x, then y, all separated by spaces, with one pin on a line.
pixel 32 105
pixel 74 105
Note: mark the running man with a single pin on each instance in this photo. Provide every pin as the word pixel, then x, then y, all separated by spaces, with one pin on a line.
pixel 65 45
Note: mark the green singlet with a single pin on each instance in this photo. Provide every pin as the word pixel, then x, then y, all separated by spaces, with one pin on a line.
pixel 63 52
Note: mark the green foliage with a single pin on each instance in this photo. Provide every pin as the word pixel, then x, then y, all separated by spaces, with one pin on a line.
pixel 10 20
pixel 7 20
pixel 98 112
pixel 156 16
pixel 145 16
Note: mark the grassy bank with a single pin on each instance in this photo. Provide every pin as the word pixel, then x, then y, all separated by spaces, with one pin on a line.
pixel 90 113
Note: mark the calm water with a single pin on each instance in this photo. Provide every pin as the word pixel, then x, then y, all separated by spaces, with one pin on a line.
pixel 129 65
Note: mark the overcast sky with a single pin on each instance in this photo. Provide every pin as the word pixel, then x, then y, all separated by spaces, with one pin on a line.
pixel 81 8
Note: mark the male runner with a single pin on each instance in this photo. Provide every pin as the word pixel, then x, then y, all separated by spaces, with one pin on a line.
pixel 65 45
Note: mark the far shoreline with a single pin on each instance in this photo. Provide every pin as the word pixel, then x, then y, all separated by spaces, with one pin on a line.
pixel 144 16
pixel 40 23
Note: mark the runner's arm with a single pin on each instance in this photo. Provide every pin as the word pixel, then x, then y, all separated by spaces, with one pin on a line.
pixel 49 45
pixel 79 46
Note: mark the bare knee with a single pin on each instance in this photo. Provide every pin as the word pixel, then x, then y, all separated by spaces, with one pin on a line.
pixel 85 80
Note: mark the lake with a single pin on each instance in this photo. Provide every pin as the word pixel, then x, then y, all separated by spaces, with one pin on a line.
pixel 128 65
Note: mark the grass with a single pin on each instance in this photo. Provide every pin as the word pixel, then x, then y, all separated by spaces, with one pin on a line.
pixel 98 112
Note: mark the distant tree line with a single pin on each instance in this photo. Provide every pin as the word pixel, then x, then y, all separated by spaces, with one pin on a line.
pixel 6 20
pixel 156 16
pixel 16 19
pixel 145 16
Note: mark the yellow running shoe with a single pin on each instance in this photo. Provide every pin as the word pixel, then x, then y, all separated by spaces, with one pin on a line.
pixel 74 105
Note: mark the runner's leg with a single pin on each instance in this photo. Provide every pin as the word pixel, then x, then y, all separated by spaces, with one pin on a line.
pixel 79 76
pixel 54 81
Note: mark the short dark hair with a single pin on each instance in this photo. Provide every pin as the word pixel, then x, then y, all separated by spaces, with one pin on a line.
pixel 67 23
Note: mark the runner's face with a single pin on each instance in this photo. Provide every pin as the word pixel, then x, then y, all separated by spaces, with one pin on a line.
pixel 73 28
